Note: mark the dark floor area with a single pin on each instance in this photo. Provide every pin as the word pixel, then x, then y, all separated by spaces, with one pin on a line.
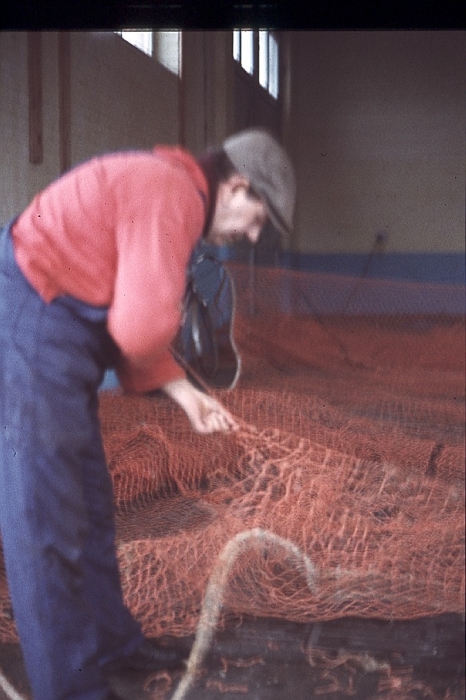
pixel 277 660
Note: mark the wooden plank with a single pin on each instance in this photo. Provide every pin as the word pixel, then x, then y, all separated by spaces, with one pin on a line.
pixel 64 101
pixel 34 57
pixel 269 659
pixel 182 93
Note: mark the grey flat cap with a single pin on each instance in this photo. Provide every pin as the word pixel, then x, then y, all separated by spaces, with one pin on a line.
pixel 258 156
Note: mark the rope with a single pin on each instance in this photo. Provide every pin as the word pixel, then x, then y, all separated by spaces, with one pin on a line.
pixel 8 689
pixel 214 596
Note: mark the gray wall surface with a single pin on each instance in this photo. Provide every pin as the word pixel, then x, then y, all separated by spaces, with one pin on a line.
pixel 374 122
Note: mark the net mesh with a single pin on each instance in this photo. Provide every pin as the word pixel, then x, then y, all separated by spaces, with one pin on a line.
pixel 350 448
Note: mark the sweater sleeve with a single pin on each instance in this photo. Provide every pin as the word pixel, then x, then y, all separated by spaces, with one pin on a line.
pixel 158 225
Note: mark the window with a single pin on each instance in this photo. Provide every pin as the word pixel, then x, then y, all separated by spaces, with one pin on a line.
pixel 243 49
pixel 168 50
pixel 257 53
pixel 268 62
pixel 165 47
pixel 141 39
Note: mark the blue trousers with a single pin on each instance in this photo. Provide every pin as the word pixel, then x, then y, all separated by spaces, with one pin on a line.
pixel 56 501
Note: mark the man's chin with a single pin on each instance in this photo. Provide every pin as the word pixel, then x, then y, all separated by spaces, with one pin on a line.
pixel 220 239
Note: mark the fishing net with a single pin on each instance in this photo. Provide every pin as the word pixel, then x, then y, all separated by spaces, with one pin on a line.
pixel 343 489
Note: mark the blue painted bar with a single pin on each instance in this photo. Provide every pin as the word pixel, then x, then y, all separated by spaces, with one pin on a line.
pixel 340 284
pixel 339 295
pixel 439 268
pixel 435 282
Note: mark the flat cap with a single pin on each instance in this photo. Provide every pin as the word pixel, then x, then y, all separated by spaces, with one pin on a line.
pixel 257 155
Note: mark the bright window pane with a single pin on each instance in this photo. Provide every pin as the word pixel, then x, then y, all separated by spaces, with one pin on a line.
pixel 142 40
pixel 247 50
pixel 273 66
pixel 168 50
pixel 263 58
pixel 237 45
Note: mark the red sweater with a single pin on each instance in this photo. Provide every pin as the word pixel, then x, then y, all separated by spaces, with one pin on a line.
pixel 118 231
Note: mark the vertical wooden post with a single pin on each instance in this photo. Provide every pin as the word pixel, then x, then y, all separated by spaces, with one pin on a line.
pixel 285 87
pixel 64 101
pixel 34 55
pixel 219 95
pixel 181 92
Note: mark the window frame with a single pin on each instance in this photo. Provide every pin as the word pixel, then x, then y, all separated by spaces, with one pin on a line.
pixel 125 34
pixel 155 44
pixel 255 73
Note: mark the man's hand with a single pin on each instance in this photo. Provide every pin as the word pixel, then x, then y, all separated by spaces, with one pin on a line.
pixel 205 413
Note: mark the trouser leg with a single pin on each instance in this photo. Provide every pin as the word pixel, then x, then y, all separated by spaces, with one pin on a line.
pixel 117 630
pixel 55 495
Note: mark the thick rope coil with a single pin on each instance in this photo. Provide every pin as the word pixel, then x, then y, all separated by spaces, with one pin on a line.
pixel 214 595
pixel 8 689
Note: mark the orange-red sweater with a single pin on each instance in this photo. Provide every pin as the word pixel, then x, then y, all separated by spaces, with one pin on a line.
pixel 118 231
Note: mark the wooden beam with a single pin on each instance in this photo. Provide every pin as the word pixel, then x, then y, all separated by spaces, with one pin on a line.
pixel 182 92
pixel 64 101
pixel 34 57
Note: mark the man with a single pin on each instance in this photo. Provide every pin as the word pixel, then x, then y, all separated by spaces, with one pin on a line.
pixel 92 274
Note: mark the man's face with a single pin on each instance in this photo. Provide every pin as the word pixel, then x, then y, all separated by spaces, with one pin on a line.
pixel 238 213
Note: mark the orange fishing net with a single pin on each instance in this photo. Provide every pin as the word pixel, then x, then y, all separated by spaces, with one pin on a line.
pixel 344 486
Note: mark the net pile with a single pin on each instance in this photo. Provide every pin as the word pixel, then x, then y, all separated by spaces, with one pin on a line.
pixel 351 449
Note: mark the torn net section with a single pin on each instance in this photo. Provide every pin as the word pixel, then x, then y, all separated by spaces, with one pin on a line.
pixel 351 447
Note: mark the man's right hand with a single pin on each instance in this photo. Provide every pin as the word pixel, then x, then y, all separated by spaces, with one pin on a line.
pixel 206 414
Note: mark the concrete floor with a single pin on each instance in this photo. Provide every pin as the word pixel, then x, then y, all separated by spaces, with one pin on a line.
pixel 277 660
